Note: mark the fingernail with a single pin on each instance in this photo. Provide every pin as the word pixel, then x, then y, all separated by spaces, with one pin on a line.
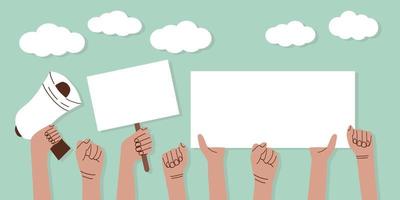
pixel 350 127
pixel 263 144
pixel 182 145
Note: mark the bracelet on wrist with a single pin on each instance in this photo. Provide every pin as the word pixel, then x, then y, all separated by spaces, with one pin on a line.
pixel 176 176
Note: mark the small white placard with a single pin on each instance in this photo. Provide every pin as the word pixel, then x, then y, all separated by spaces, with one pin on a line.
pixel 286 109
pixel 133 95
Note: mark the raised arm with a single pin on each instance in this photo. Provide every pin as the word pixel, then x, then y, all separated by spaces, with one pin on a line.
pixel 361 142
pixel 41 143
pixel 216 172
pixel 174 164
pixel 264 162
pixel 319 167
pixel 90 160
pixel 132 150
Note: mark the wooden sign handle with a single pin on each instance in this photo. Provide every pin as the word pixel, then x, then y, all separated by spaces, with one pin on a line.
pixel 60 149
pixel 145 161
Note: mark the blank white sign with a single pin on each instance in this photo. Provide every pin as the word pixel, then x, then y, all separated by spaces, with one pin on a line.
pixel 286 109
pixel 133 95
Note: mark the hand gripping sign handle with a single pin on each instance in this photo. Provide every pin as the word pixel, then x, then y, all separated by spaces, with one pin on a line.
pixel 145 161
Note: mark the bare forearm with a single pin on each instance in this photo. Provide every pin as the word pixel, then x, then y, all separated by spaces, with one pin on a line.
pixel 216 177
pixel 262 190
pixel 176 187
pixel 366 171
pixel 126 182
pixel 317 188
pixel 40 176
pixel 91 189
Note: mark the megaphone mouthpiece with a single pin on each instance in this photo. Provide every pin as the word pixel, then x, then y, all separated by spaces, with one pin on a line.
pixel 63 88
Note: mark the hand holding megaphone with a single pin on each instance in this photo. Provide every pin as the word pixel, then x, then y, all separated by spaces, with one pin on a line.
pixel 47 139
pixel 55 97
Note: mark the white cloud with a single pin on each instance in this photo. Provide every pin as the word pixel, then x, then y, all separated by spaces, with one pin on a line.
pixel 185 36
pixel 293 33
pixel 350 25
pixel 115 23
pixel 50 39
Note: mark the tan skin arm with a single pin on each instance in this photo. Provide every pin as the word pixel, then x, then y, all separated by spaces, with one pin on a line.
pixel 319 169
pixel 361 142
pixel 264 163
pixel 41 143
pixel 126 181
pixel 90 160
pixel 216 173
pixel 131 152
pixel 174 164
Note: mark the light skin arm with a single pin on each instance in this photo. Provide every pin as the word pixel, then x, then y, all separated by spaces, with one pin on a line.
pixel 262 190
pixel 90 160
pixel 40 145
pixel 132 150
pixel 91 189
pixel 216 172
pixel 41 184
pixel 126 181
pixel 361 142
pixel 264 162
pixel 174 164
pixel 319 169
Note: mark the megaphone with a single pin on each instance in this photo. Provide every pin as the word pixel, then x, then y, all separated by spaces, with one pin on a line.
pixel 55 97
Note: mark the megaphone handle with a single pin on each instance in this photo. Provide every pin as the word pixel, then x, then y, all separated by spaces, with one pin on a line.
pixel 145 161
pixel 60 149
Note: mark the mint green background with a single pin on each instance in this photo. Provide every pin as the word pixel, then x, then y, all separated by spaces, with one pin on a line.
pixel 238 44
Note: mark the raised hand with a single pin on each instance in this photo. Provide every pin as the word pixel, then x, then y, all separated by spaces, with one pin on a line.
pixel 319 168
pixel 90 159
pixel 136 145
pixel 264 162
pixel 174 164
pixel 132 149
pixel 360 142
pixel 216 172
pixel 323 153
pixel 212 155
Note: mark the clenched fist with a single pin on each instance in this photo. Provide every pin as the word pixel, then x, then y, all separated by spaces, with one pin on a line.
pixel 90 159
pixel 264 161
pixel 360 142
pixel 174 162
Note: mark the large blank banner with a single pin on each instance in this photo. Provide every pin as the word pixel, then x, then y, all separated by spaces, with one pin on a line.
pixel 286 109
